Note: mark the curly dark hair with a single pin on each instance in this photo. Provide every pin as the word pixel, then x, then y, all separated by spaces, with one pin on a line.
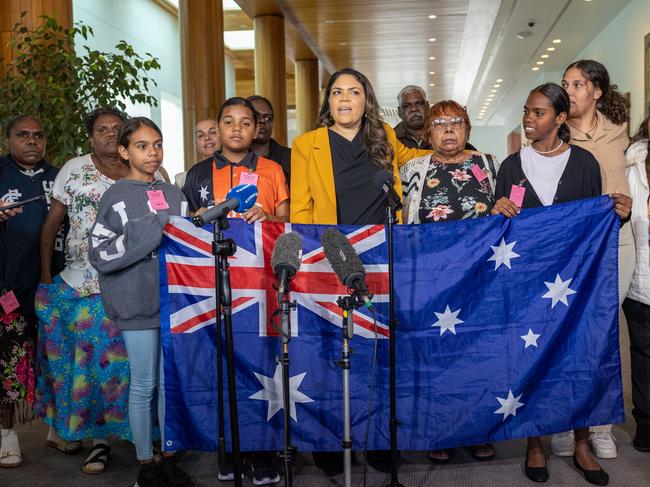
pixel 643 134
pixel 612 103
pixel 559 98
pixel 375 139
pixel 92 117
pixel 19 118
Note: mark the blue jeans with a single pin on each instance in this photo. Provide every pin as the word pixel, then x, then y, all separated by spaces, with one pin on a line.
pixel 144 351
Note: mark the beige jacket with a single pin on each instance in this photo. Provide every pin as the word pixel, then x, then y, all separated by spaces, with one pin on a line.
pixel 608 147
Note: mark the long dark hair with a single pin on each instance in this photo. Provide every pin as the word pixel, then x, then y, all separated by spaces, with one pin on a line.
pixel 559 98
pixel 612 104
pixel 375 140
pixel 643 134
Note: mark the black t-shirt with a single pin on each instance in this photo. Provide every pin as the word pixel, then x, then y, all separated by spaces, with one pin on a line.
pixel 281 155
pixel 358 202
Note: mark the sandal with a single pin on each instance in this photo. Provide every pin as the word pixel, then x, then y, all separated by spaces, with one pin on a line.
pixel 97 460
pixel 482 452
pixel 11 458
pixel 64 446
pixel 440 456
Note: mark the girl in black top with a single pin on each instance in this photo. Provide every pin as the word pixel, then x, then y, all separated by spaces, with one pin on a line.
pixel 548 176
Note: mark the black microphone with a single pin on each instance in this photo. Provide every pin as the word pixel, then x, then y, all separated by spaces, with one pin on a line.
pixel 346 263
pixel 384 180
pixel 241 197
pixel 285 259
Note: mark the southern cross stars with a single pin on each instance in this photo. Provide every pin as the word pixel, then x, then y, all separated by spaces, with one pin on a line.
pixel 509 405
pixel 558 291
pixel 530 339
pixel 447 320
pixel 503 253
pixel 272 392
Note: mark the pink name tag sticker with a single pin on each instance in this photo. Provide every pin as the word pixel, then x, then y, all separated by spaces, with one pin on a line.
pixel 9 302
pixel 248 178
pixel 517 195
pixel 478 173
pixel 157 199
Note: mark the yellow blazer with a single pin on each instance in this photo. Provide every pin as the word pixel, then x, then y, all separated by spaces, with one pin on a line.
pixel 313 196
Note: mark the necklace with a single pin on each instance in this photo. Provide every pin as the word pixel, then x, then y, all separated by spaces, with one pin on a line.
pixel 548 151
pixel 588 132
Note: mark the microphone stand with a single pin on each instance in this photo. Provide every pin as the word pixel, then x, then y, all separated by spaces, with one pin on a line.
pixel 348 304
pixel 391 210
pixel 285 307
pixel 223 248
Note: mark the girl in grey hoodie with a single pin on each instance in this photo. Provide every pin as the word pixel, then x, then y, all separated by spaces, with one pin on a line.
pixel 123 248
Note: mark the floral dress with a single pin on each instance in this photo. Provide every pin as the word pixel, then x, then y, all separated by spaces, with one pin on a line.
pixel 454 192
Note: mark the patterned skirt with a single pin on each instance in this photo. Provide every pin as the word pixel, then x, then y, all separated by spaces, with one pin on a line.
pixel 17 381
pixel 82 372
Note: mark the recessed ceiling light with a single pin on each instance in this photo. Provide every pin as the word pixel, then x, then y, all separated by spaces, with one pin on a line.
pixel 432 16
pixel 499 80
pixel 432 58
pixel 432 72
pixel 432 84
pixel 539 63
pixel 493 91
pixel 544 56
pixel 550 49
pixel 535 68
pixel 497 85
pixel 523 34
pixel 557 41
pixel 480 118
pixel 433 39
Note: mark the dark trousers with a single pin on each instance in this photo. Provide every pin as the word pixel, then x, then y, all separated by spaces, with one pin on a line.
pixel 638 321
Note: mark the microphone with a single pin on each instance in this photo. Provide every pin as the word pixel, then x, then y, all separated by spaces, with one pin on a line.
pixel 346 263
pixel 384 180
pixel 285 259
pixel 241 198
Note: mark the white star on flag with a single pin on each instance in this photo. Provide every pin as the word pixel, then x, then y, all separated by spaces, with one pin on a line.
pixel 503 253
pixel 447 320
pixel 272 392
pixel 558 291
pixel 509 406
pixel 530 339
pixel 203 192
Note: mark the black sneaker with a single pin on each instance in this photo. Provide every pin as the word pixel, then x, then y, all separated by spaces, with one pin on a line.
pixel 149 476
pixel 174 476
pixel 264 474
pixel 226 472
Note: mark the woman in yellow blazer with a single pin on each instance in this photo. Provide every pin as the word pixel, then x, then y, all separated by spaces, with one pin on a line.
pixel 332 167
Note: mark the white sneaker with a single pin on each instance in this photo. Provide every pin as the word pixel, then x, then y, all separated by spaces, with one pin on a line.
pixel 563 444
pixel 603 444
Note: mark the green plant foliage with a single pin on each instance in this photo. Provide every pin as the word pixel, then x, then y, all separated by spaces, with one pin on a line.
pixel 49 79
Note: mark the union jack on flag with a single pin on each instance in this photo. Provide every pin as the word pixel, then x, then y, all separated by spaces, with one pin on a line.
pixel 191 278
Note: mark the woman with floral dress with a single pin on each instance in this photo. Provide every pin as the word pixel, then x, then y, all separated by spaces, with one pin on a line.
pixel 450 184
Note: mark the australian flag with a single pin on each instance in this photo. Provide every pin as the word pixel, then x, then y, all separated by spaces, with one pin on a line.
pixel 507 328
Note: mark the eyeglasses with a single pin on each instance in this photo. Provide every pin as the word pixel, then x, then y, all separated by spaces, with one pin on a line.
pixel 267 118
pixel 440 124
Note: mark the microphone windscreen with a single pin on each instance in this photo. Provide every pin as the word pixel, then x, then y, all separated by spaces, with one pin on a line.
pixel 287 253
pixel 344 259
pixel 245 194
pixel 383 177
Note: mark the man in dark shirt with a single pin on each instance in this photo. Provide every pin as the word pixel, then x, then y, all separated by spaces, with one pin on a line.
pixel 265 145
pixel 412 107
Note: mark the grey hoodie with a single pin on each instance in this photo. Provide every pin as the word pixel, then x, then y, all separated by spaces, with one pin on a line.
pixel 123 248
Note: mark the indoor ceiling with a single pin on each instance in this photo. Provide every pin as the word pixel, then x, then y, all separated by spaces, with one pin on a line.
pixel 460 49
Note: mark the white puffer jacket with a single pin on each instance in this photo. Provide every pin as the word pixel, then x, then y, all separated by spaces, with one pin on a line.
pixel 638 179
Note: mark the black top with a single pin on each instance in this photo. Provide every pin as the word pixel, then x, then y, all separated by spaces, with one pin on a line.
pixel 20 265
pixel 454 192
pixel 358 202
pixel 580 179
pixel 281 155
